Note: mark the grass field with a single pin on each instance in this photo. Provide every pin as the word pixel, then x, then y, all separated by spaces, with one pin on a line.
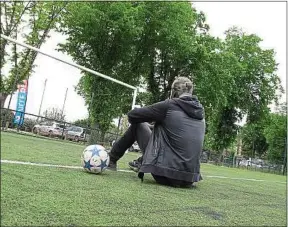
pixel 49 196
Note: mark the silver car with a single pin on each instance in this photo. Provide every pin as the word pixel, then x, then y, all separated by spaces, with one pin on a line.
pixel 51 129
pixel 76 133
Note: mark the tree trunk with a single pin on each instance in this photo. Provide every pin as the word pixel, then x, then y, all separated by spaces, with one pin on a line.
pixel 102 138
pixel 118 127
pixel 3 97
pixel 94 137
pixel 221 156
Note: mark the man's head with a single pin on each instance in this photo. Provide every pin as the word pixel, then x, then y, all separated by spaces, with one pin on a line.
pixel 180 86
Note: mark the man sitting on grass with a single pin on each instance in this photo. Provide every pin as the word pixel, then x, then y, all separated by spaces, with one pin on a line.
pixel 171 152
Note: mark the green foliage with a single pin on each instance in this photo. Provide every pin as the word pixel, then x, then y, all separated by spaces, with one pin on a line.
pixel 6 116
pixel 33 20
pixel 225 130
pixel 168 45
pixel 102 37
pixel 254 140
pixel 276 136
pixel 251 85
pixel 267 137
pixel 82 122
pixel 255 75
pixel 28 124
pixel 150 44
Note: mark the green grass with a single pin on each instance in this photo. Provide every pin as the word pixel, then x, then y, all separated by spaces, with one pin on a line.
pixel 45 196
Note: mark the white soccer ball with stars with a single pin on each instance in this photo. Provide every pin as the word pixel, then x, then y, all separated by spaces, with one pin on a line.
pixel 95 159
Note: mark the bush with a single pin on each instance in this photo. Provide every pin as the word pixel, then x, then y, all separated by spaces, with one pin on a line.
pixel 28 124
pixel 7 116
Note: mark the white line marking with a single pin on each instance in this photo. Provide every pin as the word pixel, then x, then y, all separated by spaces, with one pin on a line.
pixel 127 171
pixel 245 179
pixel 234 178
pixel 40 164
pixel 52 165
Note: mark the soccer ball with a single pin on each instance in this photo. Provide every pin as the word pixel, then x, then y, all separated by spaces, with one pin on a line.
pixel 95 159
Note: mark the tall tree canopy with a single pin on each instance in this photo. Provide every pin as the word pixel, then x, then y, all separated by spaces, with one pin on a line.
pixel 150 44
pixel 133 42
pixel 251 85
pixel 276 135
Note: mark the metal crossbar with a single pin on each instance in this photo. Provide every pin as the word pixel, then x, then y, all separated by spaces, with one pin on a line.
pixel 75 65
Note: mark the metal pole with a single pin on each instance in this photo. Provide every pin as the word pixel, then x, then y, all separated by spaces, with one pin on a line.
pixel 39 113
pixel 64 103
pixel 134 98
pixel 67 62
pixel 62 111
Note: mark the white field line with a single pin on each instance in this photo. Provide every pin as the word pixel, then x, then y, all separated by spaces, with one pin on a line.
pixel 127 171
pixel 51 165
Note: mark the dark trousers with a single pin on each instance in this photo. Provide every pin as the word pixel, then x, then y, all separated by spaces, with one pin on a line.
pixel 136 132
pixel 141 133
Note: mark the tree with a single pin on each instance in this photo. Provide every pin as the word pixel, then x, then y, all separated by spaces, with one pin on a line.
pixel 144 42
pixel 281 108
pixel 28 124
pixel 54 114
pixel 276 135
pixel 254 140
pixel 223 130
pixel 33 20
pixel 252 86
pixel 168 45
pixel 151 44
pixel 82 123
pixel 7 116
pixel 255 77
pixel 102 37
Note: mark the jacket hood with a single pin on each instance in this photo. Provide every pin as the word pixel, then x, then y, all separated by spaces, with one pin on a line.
pixel 191 106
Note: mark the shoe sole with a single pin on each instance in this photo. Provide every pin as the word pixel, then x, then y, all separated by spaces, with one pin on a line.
pixel 112 169
pixel 135 169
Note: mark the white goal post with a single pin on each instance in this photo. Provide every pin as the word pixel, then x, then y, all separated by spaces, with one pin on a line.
pixel 76 66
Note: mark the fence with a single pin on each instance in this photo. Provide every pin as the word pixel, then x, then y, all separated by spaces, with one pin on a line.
pixel 242 163
pixel 41 126
pixel 261 166
pixel 37 125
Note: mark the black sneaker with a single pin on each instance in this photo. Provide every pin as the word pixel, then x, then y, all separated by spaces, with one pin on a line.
pixel 112 164
pixel 135 164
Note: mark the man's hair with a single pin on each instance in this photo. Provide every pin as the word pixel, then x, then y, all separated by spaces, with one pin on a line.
pixel 180 86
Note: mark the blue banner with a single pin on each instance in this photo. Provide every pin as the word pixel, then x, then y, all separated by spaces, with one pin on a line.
pixel 21 103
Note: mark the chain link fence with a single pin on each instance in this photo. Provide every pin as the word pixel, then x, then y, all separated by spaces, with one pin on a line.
pixel 239 162
pixel 39 126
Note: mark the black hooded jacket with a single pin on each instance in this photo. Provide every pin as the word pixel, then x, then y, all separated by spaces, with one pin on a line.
pixel 176 143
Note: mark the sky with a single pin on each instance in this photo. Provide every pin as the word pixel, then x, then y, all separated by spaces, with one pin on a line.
pixel 266 19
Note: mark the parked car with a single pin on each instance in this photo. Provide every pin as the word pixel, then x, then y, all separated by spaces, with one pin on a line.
pixel 135 147
pixel 76 133
pixel 256 163
pixel 204 157
pixel 51 129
